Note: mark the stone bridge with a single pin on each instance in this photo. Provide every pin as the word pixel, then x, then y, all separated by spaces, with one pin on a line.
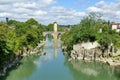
pixel 54 33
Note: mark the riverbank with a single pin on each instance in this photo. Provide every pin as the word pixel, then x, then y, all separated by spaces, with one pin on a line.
pixel 92 52
pixel 15 62
pixel 36 50
pixel 9 65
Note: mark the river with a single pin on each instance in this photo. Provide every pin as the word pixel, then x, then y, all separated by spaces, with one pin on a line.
pixel 55 66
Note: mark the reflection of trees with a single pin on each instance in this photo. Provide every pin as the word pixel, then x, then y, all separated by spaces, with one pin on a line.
pixel 90 71
pixel 49 37
pixel 117 71
pixel 25 70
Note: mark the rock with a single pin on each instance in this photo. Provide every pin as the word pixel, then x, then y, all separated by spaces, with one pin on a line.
pixel 65 53
pixel 91 52
pixel 73 52
pixel 44 53
pixel 70 59
pixel 24 54
pixel 90 45
pixel 113 62
pixel 79 58
pixel 76 47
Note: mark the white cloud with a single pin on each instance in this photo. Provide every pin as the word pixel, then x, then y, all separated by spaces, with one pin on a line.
pixel 46 12
pixel 110 10
pixel 62 11
pixel 21 11
pixel 11 1
pixel 94 9
pixel 100 4
pixel 66 16
pixel 4 8
pixel 25 5
pixel 40 13
pixel 47 1
pixel 34 4
pixel 4 14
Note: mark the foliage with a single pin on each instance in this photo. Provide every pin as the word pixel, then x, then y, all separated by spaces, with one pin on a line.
pixel 50 27
pixel 89 30
pixel 32 21
pixel 16 36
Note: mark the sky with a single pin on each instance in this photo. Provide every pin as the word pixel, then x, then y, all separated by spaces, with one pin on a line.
pixel 64 12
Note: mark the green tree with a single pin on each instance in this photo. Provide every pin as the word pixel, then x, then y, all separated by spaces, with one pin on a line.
pixel 21 36
pixel 50 27
pixel 32 21
pixel 88 30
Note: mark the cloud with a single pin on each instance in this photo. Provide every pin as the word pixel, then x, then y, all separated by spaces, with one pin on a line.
pixel 24 8
pixel 40 13
pixel 48 11
pixel 94 9
pixel 43 13
pixel 25 5
pixel 11 1
pixel 110 11
pixel 4 14
pixel 4 8
pixel 47 1
pixel 66 16
pixel 34 4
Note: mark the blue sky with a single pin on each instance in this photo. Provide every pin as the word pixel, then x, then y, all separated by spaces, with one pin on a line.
pixel 62 11
pixel 76 4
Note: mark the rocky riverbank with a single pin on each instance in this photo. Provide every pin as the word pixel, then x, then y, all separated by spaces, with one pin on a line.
pixel 36 50
pixel 93 52
pixel 9 65
pixel 15 62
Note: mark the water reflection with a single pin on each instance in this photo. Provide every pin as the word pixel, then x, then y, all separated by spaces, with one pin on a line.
pixel 55 66
pixel 117 71
pixel 55 46
pixel 49 37
pixel 81 70
pixel 25 70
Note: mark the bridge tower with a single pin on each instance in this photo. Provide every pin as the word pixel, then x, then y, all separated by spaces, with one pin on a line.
pixel 55 30
pixel 55 26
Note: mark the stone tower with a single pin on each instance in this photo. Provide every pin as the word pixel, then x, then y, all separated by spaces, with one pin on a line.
pixel 55 27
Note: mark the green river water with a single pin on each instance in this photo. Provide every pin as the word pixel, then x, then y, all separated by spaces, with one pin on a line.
pixel 54 66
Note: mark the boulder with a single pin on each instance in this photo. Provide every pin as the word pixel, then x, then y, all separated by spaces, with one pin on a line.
pixel 76 47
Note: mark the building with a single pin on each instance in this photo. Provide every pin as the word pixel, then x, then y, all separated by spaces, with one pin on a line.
pixel 115 26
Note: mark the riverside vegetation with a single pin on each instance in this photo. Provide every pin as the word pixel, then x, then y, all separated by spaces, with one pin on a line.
pixel 17 38
pixel 92 29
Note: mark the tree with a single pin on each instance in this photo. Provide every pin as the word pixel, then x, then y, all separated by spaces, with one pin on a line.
pixel 88 30
pixel 22 36
pixel 32 21
pixel 7 20
pixel 50 27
